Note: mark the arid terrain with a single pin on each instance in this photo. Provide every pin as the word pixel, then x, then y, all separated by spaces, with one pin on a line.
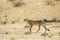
pixel 12 16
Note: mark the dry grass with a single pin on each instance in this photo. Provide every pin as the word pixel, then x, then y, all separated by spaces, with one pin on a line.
pixel 27 32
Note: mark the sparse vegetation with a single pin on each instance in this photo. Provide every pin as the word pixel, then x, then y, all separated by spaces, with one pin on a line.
pixel 11 0
pixel 59 33
pixel 16 3
pixel 18 19
pixel 13 22
pixel 6 33
pixel 57 0
pixel 5 16
pixel 50 3
pixel 4 22
pixel 26 26
pixel 27 32
pixel 44 34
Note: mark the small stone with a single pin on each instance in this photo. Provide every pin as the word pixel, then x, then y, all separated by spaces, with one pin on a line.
pixel 6 33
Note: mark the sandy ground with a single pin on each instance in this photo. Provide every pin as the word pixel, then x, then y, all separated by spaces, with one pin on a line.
pixel 18 32
pixel 33 9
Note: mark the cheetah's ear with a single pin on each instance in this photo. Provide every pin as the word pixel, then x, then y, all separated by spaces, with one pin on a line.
pixel 25 19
